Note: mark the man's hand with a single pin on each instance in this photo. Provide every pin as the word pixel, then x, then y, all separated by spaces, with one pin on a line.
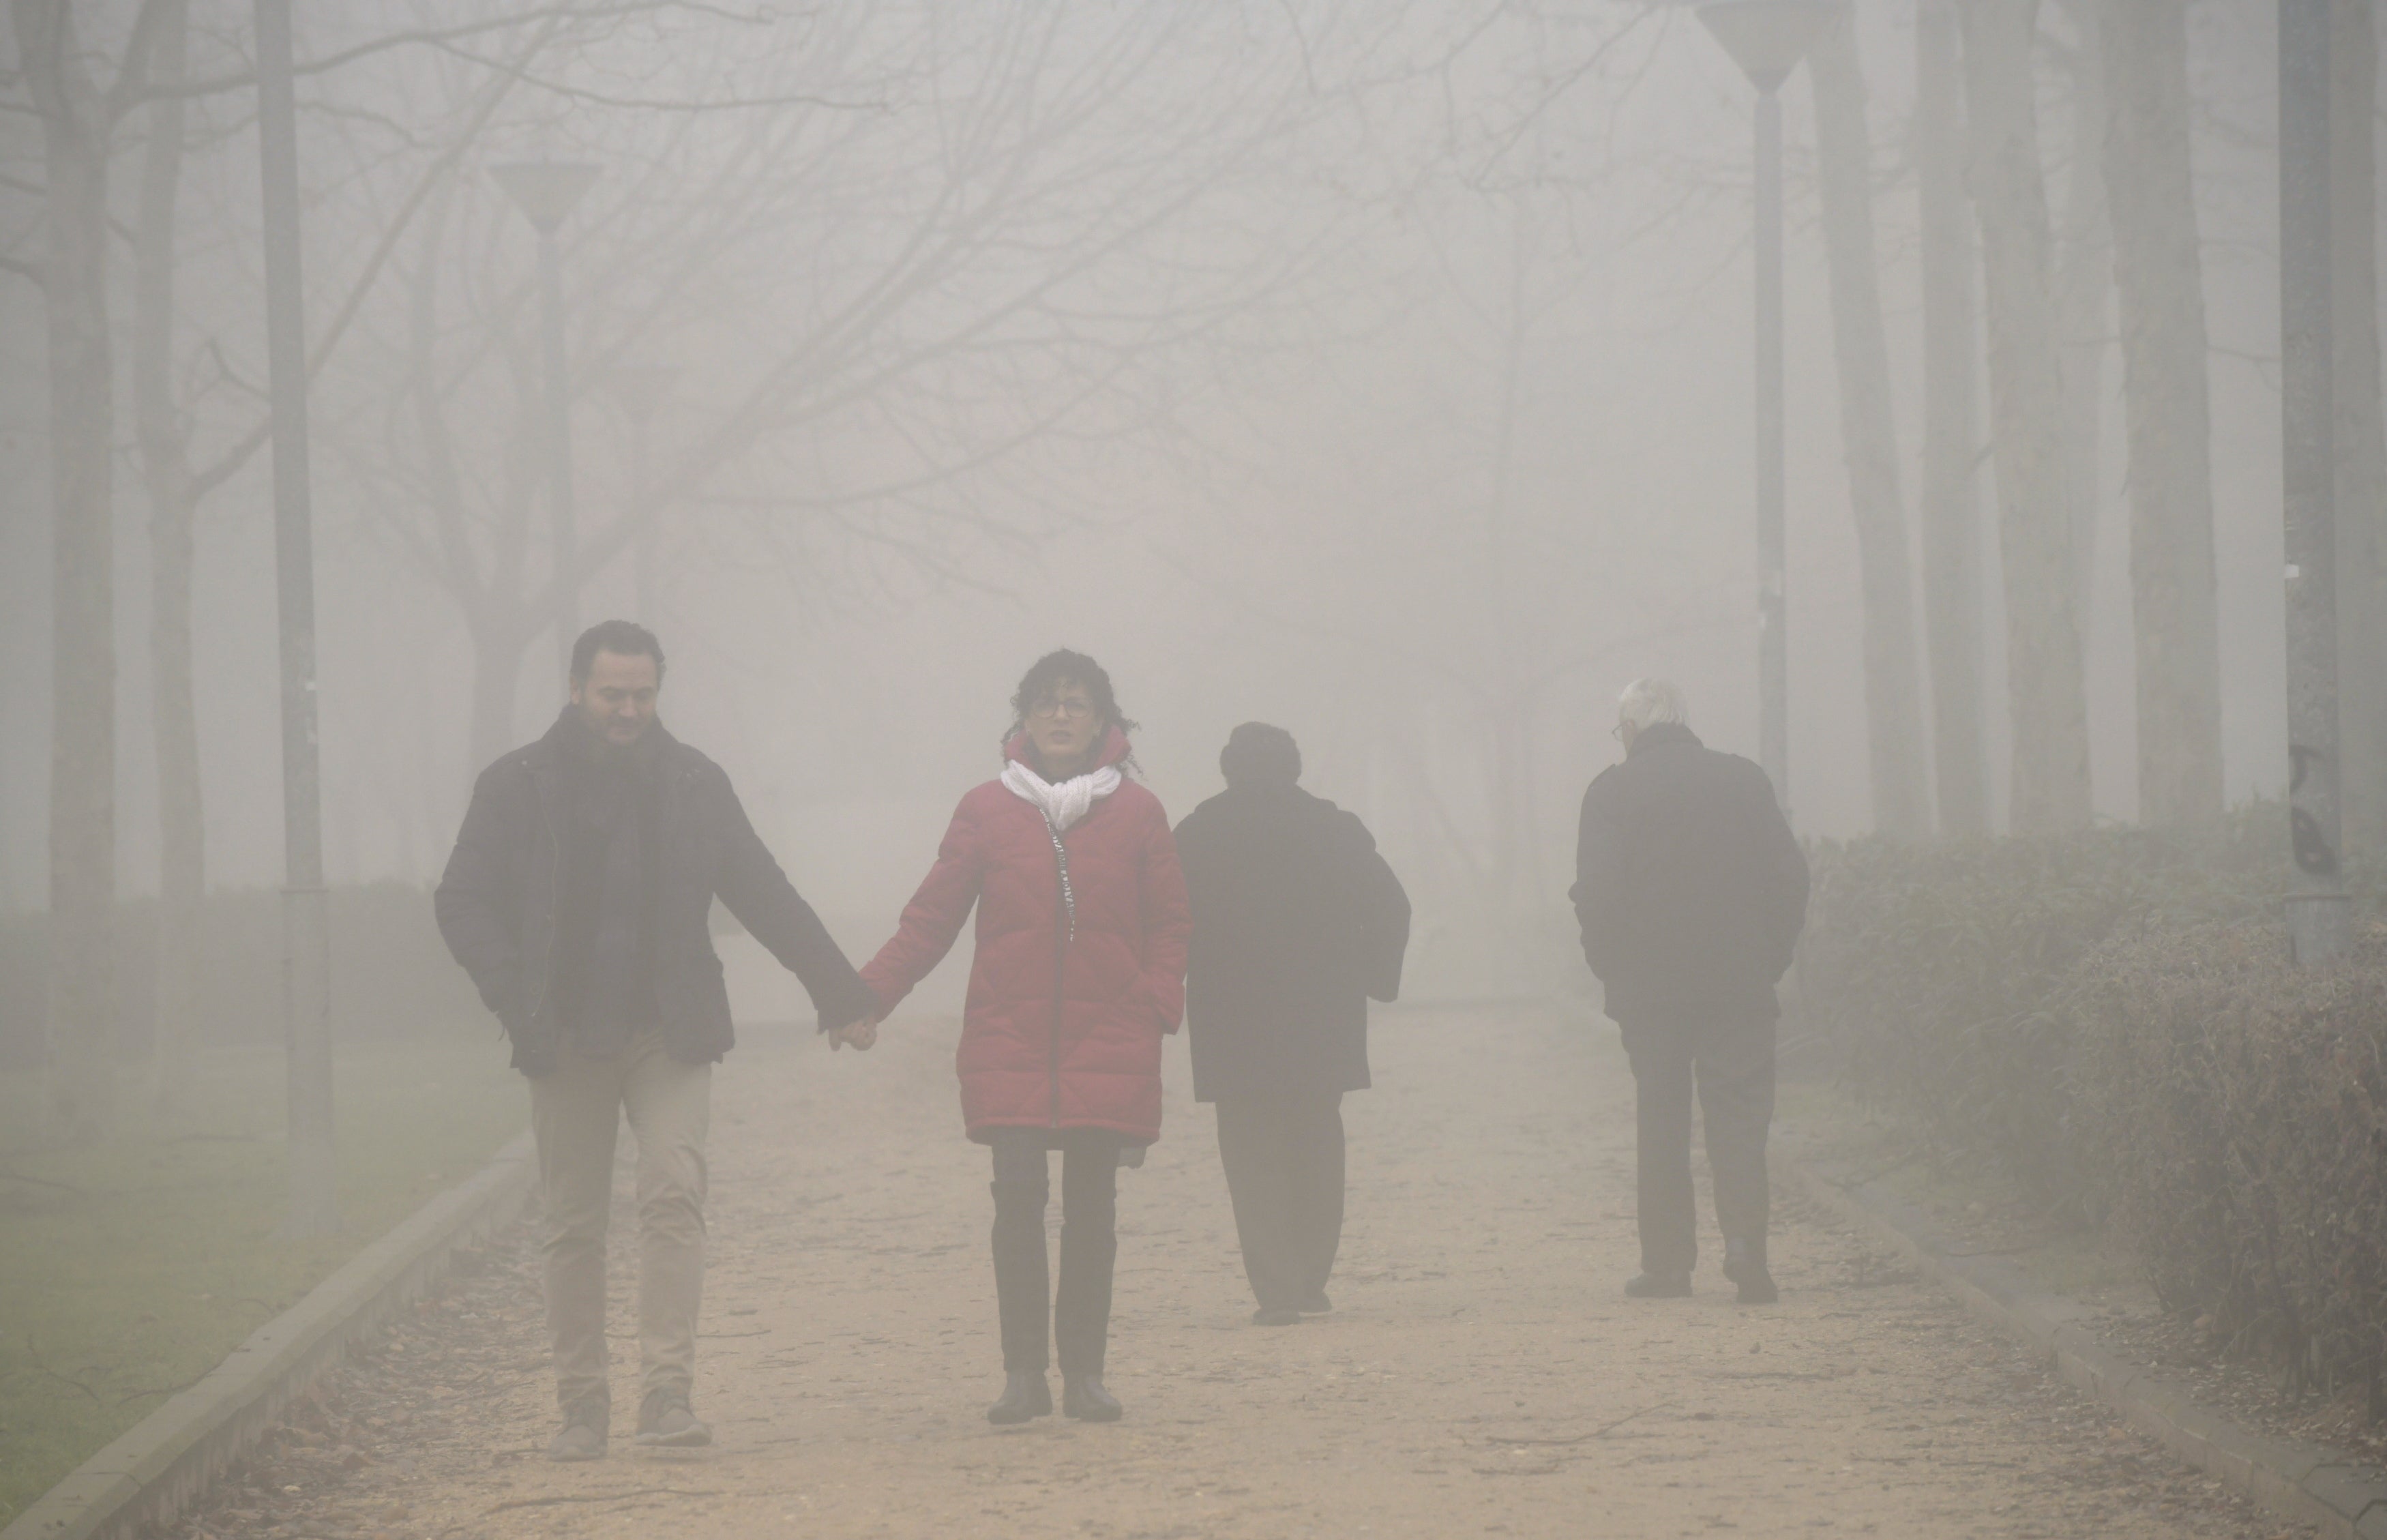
pixel 857 1035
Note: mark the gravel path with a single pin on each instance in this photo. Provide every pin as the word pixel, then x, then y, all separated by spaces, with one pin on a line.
pixel 1482 1374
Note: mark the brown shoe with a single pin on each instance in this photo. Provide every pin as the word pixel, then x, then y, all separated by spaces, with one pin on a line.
pixel 666 1422
pixel 582 1437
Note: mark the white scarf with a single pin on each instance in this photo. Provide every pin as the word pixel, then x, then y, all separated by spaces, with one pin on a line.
pixel 1064 804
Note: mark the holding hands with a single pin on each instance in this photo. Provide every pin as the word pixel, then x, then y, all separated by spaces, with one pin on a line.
pixel 857 1035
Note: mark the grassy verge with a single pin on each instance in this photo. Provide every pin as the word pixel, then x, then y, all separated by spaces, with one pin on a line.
pixel 129 1269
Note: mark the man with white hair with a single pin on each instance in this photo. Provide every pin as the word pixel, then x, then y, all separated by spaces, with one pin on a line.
pixel 1691 891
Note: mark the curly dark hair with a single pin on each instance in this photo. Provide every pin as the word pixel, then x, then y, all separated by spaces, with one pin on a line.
pixel 1049 672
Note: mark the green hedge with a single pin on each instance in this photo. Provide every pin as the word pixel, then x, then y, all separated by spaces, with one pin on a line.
pixel 2233 1109
pixel 2113 1020
pixel 1939 973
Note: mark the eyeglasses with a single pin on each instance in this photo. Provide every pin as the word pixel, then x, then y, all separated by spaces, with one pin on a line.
pixel 1047 710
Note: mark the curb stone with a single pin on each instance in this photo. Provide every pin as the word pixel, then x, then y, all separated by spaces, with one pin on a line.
pixel 2287 1478
pixel 154 1471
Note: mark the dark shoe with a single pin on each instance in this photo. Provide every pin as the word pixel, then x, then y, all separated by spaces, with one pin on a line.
pixel 1745 1264
pixel 1025 1396
pixel 1659 1285
pixel 582 1437
pixel 1317 1304
pixel 1084 1398
pixel 666 1422
pixel 1276 1318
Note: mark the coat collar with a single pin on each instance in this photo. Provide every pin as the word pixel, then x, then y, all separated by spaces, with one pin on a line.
pixel 566 737
pixel 1660 735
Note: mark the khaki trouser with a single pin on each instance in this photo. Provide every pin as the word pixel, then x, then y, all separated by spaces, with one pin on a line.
pixel 574 1111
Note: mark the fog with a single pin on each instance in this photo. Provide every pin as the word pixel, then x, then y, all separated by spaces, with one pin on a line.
pixel 1380 370
pixel 1394 371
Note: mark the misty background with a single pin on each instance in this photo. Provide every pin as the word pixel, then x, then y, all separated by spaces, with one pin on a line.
pixel 1379 369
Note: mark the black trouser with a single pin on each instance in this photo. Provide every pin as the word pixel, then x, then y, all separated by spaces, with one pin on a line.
pixel 1283 1157
pixel 1732 1063
pixel 1079 1322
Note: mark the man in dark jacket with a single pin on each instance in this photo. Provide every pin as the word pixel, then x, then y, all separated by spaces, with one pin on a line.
pixel 578 898
pixel 1691 891
pixel 1297 921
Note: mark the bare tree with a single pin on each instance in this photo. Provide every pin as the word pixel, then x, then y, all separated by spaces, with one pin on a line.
pixel 2159 273
pixel 2046 686
pixel 1951 537
pixel 163 434
pixel 1901 803
pixel 78 119
pixel 2084 282
pixel 2361 453
pixel 964 194
pixel 165 416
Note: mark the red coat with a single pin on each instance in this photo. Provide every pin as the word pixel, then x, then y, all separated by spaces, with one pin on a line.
pixel 1095 1061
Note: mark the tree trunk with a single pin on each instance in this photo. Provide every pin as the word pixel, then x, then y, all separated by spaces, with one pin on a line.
pixel 164 445
pixel 1952 533
pixel 2046 690
pixel 1869 440
pixel 2085 295
pixel 2360 433
pixel 2158 273
pixel 82 1092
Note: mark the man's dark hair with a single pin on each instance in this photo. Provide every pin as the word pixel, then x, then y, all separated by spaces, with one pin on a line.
pixel 624 639
pixel 1049 672
pixel 1258 754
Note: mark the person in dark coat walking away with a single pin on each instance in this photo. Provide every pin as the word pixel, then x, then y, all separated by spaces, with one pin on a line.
pixel 1691 891
pixel 1297 922
pixel 578 898
pixel 1080 970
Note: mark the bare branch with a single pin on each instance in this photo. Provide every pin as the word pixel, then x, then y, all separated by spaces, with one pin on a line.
pixel 599 98
pixel 431 37
pixel 229 463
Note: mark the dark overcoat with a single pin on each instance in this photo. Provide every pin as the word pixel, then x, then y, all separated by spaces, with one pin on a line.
pixel 498 903
pixel 1297 921
pixel 1689 886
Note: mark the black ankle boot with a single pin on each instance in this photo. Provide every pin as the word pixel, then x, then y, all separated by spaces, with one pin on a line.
pixel 1084 1398
pixel 1744 1263
pixel 1025 1396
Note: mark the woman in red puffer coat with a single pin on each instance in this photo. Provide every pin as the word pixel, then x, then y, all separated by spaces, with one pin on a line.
pixel 1081 931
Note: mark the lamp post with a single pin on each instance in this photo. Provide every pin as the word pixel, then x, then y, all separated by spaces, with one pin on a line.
pixel 547 192
pixel 2319 915
pixel 1767 39
pixel 306 928
pixel 640 388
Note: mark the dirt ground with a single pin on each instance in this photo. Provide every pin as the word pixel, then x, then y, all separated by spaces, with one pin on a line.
pixel 1482 1374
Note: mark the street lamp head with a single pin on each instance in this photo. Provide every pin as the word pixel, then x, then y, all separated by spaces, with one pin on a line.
pixel 1767 38
pixel 546 190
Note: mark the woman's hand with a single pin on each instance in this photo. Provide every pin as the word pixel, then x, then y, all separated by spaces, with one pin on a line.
pixel 858 1035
